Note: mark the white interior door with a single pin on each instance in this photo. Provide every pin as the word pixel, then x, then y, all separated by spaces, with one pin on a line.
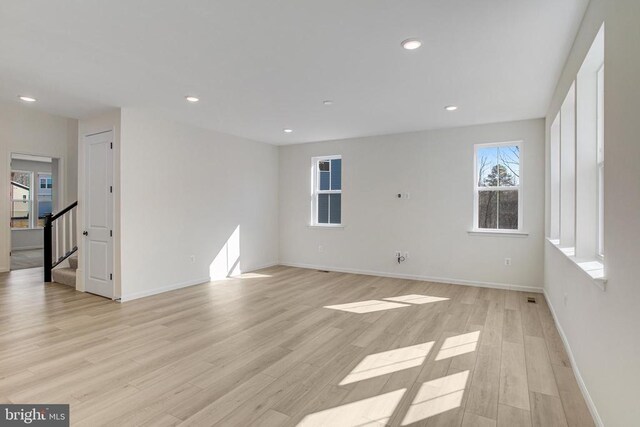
pixel 98 214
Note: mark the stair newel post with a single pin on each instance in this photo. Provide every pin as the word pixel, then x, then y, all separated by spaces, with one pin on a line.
pixel 47 249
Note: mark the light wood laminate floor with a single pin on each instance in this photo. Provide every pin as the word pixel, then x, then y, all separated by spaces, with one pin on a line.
pixel 265 350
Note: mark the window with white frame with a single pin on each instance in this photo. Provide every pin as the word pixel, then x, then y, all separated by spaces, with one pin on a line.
pixel 21 215
pixel 327 191
pixel 577 165
pixel 554 176
pixel 600 159
pixel 44 199
pixel 45 181
pixel 568 165
pixel 498 195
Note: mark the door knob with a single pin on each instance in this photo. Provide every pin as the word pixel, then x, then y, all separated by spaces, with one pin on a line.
pixel 85 233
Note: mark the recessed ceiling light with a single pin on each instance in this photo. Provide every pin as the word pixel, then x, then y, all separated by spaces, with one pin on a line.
pixel 287 130
pixel 27 98
pixel 328 102
pixel 411 44
pixel 192 98
pixel 451 108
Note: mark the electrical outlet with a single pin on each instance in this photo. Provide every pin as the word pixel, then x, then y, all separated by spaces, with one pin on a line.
pixel 192 258
pixel 320 248
pixel 507 261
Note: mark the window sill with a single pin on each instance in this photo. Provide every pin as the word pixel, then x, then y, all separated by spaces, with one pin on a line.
pixel 594 268
pixel 499 233
pixel 334 226
pixel 24 229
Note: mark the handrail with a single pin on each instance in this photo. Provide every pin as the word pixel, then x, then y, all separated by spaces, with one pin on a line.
pixel 64 211
pixel 68 236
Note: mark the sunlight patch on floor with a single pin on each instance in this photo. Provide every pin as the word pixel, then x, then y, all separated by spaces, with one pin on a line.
pixel 254 276
pixel 459 344
pixel 437 396
pixel 416 299
pixel 366 306
pixel 387 362
pixel 374 411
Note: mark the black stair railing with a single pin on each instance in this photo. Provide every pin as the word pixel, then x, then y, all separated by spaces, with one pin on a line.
pixel 60 240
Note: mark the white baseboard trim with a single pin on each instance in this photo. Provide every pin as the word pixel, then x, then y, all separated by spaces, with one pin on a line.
pixel 142 294
pixel 155 291
pixel 421 278
pixel 80 279
pixel 260 267
pixel 574 366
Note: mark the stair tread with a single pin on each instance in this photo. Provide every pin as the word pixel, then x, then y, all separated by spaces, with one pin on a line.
pixel 65 276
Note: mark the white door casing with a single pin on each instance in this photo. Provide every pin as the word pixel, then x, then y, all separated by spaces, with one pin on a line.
pixel 98 214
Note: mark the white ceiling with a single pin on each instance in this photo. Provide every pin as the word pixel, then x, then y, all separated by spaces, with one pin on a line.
pixel 260 66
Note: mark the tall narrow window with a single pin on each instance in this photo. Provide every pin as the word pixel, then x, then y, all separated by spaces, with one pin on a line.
pixel 568 170
pixel 600 157
pixel 588 174
pixel 45 200
pixel 497 187
pixel 554 162
pixel 327 191
pixel 21 200
pixel 580 189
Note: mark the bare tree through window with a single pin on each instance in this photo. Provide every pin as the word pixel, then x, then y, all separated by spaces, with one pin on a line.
pixel 498 186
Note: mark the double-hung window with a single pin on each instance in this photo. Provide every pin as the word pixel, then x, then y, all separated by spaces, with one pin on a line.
pixel 44 199
pixel 326 203
pixel 21 199
pixel 498 196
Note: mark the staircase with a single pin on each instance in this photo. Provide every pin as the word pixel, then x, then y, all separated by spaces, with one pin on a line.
pixel 60 243
pixel 66 275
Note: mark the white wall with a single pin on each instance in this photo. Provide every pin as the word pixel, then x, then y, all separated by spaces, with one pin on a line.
pixel 72 162
pixel 28 131
pixel 436 168
pixel 601 328
pixel 185 192
pixel 32 166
